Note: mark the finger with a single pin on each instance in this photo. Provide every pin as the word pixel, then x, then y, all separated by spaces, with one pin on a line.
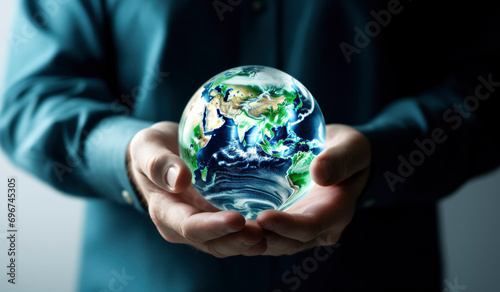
pixel 279 245
pixel 202 227
pixel 341 161
pixel 300 227
pixel 181 222
pixel 249 241
pixel 152 157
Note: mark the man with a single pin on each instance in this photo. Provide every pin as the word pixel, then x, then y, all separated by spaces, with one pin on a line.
pixel 95 92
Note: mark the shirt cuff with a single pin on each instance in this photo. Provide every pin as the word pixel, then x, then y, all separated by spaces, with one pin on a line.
pixel 105 151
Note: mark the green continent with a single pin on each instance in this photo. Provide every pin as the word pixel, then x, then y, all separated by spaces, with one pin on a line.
pixel 204 173
pixel 298 177
pixel 274 118
pixel 245 123
pixel 298 173
pixel 190 158
pixel 191 151
pixel 268 120
pixel 271 117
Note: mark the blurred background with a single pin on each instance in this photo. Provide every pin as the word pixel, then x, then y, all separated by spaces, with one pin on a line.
pixel 50 224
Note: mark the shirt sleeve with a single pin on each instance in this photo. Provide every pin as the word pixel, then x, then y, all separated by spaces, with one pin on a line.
pixel 60 118
pixel 426 146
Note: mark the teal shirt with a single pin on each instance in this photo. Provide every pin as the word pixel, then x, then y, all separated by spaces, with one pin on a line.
pixel 86 76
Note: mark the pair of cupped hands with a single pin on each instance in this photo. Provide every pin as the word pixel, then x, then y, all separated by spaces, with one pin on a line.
pixel 181 215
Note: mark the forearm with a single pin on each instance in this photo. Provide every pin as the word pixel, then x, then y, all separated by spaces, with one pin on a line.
pixel 60 118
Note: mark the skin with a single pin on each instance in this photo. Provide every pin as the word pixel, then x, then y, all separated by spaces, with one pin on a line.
pixel 181 215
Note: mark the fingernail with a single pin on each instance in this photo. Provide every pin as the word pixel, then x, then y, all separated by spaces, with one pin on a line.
pixel 172 174
pixel 326 169
pixel 244 243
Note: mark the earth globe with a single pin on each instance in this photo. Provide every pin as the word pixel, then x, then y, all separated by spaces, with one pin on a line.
pixel 249 135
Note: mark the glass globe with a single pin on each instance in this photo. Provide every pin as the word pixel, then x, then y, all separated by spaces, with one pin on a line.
pixel 249 135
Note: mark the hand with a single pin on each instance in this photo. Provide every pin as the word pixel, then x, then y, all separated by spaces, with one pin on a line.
pixel 180 214
pixel 340 172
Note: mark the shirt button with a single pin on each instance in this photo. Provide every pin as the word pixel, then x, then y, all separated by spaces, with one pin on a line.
pixel 257 6
pixel 127 197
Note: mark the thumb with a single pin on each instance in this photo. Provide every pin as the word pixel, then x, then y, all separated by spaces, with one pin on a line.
pixel 152 157
pixel 341 161
pixel 167 170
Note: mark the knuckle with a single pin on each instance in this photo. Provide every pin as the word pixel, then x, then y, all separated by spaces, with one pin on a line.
pixel 152 165
pixel 155 166
pixel 140 137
